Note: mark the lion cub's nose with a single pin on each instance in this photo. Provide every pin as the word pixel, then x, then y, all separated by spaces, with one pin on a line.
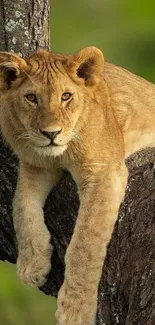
pixel 50 135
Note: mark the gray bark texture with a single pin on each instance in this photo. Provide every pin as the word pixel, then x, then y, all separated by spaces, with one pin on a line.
pixel 127 290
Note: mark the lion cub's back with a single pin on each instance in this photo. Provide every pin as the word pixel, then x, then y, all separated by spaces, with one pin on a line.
pixel 128 89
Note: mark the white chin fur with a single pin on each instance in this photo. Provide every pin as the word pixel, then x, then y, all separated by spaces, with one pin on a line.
pixel 50 151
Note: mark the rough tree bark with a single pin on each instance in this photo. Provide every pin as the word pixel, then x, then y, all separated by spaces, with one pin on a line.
pixel 127 290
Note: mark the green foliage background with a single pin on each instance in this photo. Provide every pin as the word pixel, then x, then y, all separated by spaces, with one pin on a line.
pixel 125 31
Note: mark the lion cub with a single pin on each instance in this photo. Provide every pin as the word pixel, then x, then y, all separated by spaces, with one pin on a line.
pixel 84 115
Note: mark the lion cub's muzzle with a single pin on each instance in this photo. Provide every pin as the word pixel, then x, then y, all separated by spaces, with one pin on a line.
pixel 51 135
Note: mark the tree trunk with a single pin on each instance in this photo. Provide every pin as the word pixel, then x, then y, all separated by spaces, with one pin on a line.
pixel 127 291
pixel 24 25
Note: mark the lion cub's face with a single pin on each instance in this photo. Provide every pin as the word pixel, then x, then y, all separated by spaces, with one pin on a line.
pixel 43 97
pixel 46 107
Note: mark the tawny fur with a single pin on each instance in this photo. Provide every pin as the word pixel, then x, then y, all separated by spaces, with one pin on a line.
pixel 110 115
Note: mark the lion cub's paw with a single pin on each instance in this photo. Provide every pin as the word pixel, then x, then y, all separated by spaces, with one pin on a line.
pixel 33 265
pixel 74 308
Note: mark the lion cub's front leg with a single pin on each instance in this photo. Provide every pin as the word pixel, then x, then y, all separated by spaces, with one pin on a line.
pixel 100 200
pixel 34 247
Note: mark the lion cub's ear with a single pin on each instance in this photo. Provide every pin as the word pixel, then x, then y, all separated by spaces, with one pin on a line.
pixel 89 65
pixel 11 65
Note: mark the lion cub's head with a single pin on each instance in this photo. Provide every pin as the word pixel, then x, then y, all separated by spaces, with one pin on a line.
pixel 42 97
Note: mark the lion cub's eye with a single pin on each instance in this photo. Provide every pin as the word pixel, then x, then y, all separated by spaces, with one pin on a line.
pixel 31 98
pixel 66 96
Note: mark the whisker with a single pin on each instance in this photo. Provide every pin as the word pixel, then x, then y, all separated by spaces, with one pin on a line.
pixel 96 164
pixel 76 135
pixel 25 135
